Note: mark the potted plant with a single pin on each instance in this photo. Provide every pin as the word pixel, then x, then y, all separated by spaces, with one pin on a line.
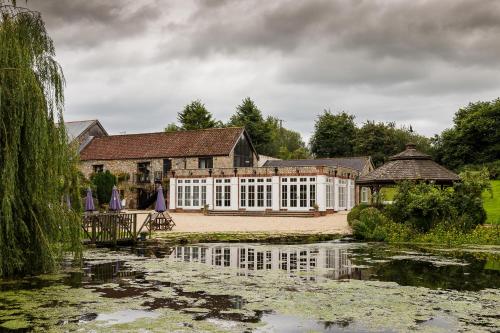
pixel 205 209
pixel 316 210
pixel 143 235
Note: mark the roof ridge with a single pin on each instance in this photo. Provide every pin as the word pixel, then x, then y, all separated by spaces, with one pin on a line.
pixel 180 131
pixel 80 121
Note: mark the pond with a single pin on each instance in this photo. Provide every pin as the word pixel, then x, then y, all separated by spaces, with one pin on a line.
pixel 324 287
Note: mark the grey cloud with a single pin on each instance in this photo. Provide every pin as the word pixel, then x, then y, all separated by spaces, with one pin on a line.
pixel 89 23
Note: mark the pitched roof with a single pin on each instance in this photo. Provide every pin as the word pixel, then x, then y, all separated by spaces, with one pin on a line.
pixel 356 163
pixel 75 128
pixel 207 142
pixel 409 165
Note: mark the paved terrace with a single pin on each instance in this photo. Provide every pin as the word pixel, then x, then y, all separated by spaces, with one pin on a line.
pixel 197 222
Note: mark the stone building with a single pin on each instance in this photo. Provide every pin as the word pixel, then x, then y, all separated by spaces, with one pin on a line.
pixel 141 160
pixel 218 170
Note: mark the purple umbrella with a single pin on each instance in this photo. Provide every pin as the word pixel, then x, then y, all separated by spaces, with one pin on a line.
pixel 89 201
pixel 160 201
pixel 114 203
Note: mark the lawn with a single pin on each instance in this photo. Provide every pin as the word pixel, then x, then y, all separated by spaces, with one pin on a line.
pixel 492 204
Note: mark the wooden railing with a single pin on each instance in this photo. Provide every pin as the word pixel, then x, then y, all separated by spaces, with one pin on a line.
pixel 110 228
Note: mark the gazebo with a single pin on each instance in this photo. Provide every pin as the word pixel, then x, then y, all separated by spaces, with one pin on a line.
pixel 410 165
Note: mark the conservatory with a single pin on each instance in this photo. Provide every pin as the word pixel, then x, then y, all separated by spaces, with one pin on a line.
pixel 322 189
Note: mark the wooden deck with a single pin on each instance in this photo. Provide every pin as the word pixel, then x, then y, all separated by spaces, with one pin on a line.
pixel 112 228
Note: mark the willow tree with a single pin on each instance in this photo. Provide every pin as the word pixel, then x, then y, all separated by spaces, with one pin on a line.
pixel 38 169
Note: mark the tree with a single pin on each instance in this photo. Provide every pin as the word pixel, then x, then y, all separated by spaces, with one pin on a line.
pixel 172 127
pixel 382 140
pixel 103 183
pixel 195 116
pixel 333 135
pixel 474 138
pixel 249 116
pixel 37 167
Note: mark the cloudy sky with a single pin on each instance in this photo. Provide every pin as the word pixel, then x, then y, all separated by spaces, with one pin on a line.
pixel 135 64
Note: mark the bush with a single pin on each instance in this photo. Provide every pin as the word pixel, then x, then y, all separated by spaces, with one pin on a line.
pixel 493 168
pixel 103 183
pixel 354 213
pixel 371 225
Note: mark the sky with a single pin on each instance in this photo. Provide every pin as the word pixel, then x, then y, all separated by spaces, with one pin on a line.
pixel 135 64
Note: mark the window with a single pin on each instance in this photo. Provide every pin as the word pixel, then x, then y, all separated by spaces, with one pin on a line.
pixel 260 196
pixel 187 196
pixel 98 168
pixel 227 196
pixel 167 166
pixel 243 196
pixel 243 154
pixel 196 196
pixel 312 195
pixel 179 196
pixel 303 195
pixel 205 162
pixel 251 196
pixel 218 196
pixel 269 196
pixel 364 195
pixel 293 195
pixel 284 195
pixel 143 170
pixel 203 195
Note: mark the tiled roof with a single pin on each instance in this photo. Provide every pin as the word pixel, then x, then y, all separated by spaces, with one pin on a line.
pixel 356 163
pixel 409 165
pixel 207 142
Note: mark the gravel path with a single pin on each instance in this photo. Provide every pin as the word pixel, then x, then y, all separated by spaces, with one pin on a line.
pixel 195 222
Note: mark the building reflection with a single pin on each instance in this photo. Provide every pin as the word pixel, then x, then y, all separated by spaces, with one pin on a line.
pixel 327 262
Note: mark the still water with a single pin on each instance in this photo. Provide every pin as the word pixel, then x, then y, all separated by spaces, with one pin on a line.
pixel 324 287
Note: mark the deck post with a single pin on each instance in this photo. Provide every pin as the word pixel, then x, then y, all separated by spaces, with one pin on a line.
pixel 93 237
pixel 134 225
pixel 114 221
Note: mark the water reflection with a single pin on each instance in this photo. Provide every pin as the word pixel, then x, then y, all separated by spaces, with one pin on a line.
pixel 327 261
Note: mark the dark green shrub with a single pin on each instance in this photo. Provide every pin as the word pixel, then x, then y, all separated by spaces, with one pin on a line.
pixel 371 225
pixel 103 183
pixel 354 213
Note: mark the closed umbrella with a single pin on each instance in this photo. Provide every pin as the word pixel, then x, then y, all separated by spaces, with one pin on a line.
pixel 89 201
pixel 114 203
pixel 160 201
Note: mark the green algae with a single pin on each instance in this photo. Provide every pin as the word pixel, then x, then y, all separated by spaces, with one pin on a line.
pixel 15 324
pixel 187 296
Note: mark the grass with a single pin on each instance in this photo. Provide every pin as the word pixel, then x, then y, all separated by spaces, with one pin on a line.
pixel 210 237
pixel 492 204
pixel 388 193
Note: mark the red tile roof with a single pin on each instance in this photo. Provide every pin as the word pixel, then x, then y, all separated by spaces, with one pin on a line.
pixel 207 142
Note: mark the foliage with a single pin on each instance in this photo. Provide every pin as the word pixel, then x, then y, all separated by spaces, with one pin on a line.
pixel 474 138
pixel 103 183
pixel 355 212
pixel 285 144
pixel 491 202
pixel 37 167
pixel 172 127
pixel 196 116
pixel 452 236
pixel 371 225
pixel 492 167
pixel 333 135
pixel 249 116
pixel 382 140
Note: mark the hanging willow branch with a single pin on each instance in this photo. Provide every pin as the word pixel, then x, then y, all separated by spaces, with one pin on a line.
pixel 37 166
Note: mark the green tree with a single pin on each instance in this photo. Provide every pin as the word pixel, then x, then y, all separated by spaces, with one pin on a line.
pixel 285 143
pixel 249 116
pixel 172 127
pixel 103 183
pixel 334 135
pixel 474 138
pixel 382 140
pixel 196 116
pixel 37 167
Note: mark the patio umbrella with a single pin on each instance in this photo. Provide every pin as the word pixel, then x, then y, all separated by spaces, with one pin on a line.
pixel 89 201
pixel 114 203
pixel 160 201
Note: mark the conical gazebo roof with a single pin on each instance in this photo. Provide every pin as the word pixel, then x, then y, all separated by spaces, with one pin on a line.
pixel 412 165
